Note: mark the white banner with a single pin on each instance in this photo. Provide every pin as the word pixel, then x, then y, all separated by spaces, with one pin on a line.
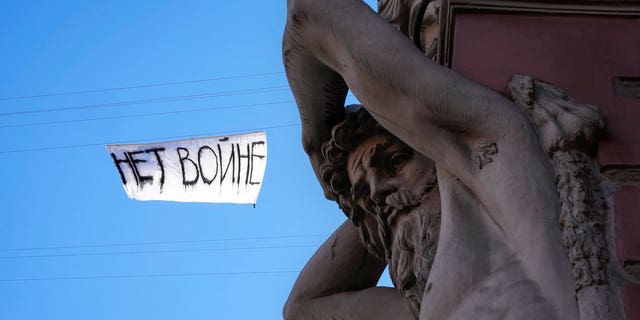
pixel 214 169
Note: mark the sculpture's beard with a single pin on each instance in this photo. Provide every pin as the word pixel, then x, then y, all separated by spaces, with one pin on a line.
pixel 413 248
pixel 405 231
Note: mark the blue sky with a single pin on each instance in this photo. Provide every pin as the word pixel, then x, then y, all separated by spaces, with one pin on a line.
pixel 198 261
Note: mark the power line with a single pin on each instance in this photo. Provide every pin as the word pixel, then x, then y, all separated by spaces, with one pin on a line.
pixel 201 274
pixel 149 139
pixel 138 115
pixel 163 84
pixel 148 101
pixel 154 252
pixel 102 245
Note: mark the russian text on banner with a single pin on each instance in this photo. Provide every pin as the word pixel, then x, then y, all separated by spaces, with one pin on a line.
pixel 213 169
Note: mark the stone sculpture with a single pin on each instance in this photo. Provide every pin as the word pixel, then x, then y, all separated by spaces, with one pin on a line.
pixel 448 182
pixel 569 133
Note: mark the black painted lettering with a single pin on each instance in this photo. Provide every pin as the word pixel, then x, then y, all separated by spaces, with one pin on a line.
pixel 156 152
pixel 223 174
pixel 248 167
pixel 254 155
pixel 117 162
pixel 182 161
pixel 215 157
pixel 140 179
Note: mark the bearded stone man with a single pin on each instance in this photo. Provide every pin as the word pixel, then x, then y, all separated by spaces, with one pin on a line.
pixel 499 249
pixel 390 194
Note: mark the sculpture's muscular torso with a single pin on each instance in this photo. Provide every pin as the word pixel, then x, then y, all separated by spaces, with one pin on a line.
pixel 500 251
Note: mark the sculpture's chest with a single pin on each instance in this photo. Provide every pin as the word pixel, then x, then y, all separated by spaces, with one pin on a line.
pixel 475 272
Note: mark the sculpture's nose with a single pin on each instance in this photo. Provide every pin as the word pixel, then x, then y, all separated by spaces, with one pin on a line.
pixel 381 187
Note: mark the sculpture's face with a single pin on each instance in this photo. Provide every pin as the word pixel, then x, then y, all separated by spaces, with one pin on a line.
pixel 388 177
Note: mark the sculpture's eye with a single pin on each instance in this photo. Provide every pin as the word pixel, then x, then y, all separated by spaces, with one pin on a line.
pixel 398 160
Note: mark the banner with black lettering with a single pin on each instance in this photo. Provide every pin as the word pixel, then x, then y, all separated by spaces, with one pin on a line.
pixel 226 169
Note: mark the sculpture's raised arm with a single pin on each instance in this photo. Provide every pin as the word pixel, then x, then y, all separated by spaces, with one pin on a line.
pixel 410 96
pixel 320 97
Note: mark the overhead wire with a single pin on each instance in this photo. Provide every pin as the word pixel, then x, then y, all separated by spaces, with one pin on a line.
pixel 146 139
pixel 84 254
pixel 162 84
pixel 148 101
pixel 105 105
pixel 152 275
pixel 120 244
pixel 138 115
pixel 246 91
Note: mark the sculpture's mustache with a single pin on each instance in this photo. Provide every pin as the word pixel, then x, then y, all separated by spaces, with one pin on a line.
pixel 401 202
pixel 395 204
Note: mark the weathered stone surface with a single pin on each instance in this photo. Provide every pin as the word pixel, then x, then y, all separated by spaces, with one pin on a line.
pixel 570 132
pixel 417 19
pixel 450 184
